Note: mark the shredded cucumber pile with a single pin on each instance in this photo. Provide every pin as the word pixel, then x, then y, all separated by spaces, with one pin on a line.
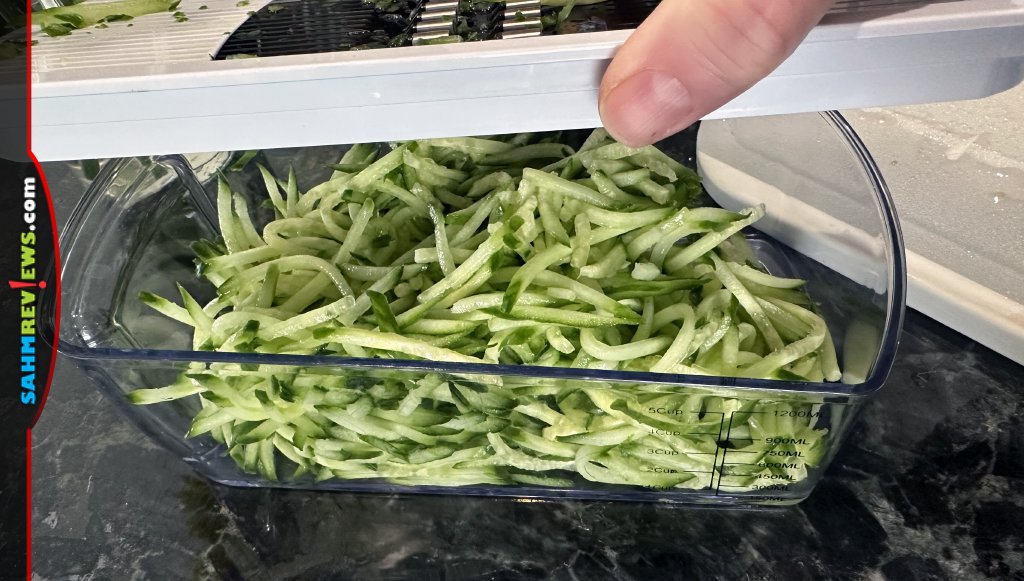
pixel 499 250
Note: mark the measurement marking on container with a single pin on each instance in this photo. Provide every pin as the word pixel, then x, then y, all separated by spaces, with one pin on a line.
pixel 787 441
pixel 788 477
pixel 827 403
pixel 787 459
pixel 673 411
pixel 663 451
pixel 785 453
pixel 767 464
pixel 660 432
pixel 725 451
pixel 721 424
pixel 759 475
pixel 773 442
pixel 781 465
pixel 742 487
pixel 789 413
pixel 676 471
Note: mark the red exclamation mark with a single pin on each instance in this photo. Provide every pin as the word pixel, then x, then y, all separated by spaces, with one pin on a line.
pixel 23 284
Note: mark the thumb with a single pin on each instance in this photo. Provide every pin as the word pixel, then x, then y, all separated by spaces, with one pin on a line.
pixel 690 57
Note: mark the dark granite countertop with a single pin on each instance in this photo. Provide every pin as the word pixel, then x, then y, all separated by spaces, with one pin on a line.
pixel 929 485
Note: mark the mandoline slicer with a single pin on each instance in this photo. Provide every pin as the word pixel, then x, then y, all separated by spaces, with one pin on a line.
pixel 251 74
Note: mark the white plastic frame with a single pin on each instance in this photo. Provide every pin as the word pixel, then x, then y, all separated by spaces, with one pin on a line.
pixel 940 52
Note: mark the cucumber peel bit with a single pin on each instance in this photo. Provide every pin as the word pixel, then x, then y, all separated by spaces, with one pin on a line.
pixel 498 250
pixel 62 20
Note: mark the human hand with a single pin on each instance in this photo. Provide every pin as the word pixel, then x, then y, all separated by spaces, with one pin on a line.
pixel 690 57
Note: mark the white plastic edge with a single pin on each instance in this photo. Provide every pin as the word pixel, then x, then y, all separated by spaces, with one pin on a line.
pixel 501 86
pixel 961 16
pixel 950 298
pixel 954 300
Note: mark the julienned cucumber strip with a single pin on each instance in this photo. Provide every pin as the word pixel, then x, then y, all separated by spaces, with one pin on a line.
pixel 513 250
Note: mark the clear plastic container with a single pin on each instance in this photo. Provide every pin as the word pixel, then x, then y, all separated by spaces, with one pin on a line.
pixel 705 439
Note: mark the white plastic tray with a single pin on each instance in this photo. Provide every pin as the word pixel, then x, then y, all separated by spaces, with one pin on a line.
pixel 956 172
pixel 152 88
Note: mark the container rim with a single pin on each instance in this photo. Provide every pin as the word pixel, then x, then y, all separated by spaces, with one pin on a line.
pixel 896 274
pixel 895 252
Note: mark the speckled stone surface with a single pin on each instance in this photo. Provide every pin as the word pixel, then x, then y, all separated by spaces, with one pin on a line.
pixel 930 485
pixel 956 173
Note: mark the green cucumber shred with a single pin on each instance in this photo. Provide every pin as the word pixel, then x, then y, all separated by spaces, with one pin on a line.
pixel 515 250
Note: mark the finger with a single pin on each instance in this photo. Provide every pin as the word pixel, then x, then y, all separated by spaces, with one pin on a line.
pixel 690 57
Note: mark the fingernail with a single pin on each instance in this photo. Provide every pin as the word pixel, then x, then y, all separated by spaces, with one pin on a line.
pixel 646 107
